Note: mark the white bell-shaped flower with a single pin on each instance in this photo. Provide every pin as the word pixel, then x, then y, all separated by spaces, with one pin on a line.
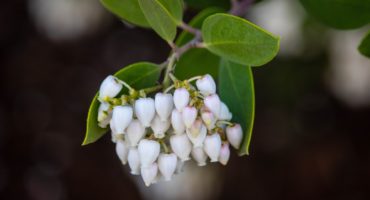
pixel 181 98
pixel 160 127
pixel 134 161
pixel 145 110
pixel 177 122
pixel 234 135
pixel 224 153
pixel 181 146
pixel 121 118
pixel 206 85
pixel 135 132
pixel 104 114
pixel 148 151
pixel 163 105
pixel 149 173
pixel 212 146
pixel 189 114
pixel 110 87
pixel 197 135
pixel 208 119
pixel 199 156
pixel 213 103
pixel 122 151
pixel 225 113
pixel 167 165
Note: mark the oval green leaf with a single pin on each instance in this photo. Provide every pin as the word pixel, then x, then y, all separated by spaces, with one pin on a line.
pixel 139 75
pixel 238 40
pixel 364 47
pixel 340 14
pixel 236 89
pixel 128 10
pixel 163 16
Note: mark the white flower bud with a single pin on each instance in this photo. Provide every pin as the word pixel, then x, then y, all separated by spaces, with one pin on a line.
pixel 167 165
pixel 149 173
pixel 104 114
pixel 160 127
pixel 206 85
pixel 197 135
pixel 122 151
pixel 209 119
pixel 189 114
pixel 163 105
pixel 134 161
pixel 109 88
pixel 135 132
pixel 213 103
pixel 177 122
pixel 181 146
pixel 181 98
pixel 148 151
pixel 234 135
pixel 225 114
pixel 212 146
pixel 121 118
pixel 224 154
pixel 199 156
pixel 145 110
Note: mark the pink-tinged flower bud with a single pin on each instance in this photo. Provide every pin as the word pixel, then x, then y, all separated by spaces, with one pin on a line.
pixel 234 135
pixel 104 114
pixel 160 127
pixel 145 110
pixel 213 103
pixel 149 173
pixel 181 146
pixel 134 161
pixel 197 137
pixel 212 146
pixel 206 85
pixel 189 114
pixel 148 152
pixel 209 119
pixel 181 98
pixel 121 118
pixel 199 156
pixel 109 88
pixel 135 132
pixel 225 114
pixel 163 105
pixel 167 165
pixel 177 122
pixel 224 154
pixel 122 151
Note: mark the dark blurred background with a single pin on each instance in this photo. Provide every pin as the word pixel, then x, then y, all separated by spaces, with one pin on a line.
pixel 312 126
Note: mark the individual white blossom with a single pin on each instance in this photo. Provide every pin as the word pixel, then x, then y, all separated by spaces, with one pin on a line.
pixel 225 114
pixel 148 152
pixel 181 146
pixel 121 118
pixel 135 132
pixel 110 87
pixel 224 153
pixel 163 105
pixel 213 103
pixel 104 114
pixel 199 156
pixel 134 161
pixel 234 135
pixel 149 173
pixel 189 114
pixel 212 146
pixel 208 119
pixel 181 98
pixel 206 85
pixel 167 165
pixel 145 110
pixel 159 127
pixel 197 135
pixel 177 122
pixel 122 151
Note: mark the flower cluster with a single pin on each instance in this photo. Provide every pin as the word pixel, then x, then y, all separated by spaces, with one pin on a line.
pixel 156 135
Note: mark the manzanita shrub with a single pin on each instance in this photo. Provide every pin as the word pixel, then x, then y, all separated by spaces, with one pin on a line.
pixel 161 115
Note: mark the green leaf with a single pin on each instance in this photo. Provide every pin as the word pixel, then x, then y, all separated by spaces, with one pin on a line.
pixel 236 89
pixel 139 75
pixel 239 40
pixel 163 16
pixel 341 14
pixel 196 62
pixel 364 47
pixel 200 4
pixel 128 10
